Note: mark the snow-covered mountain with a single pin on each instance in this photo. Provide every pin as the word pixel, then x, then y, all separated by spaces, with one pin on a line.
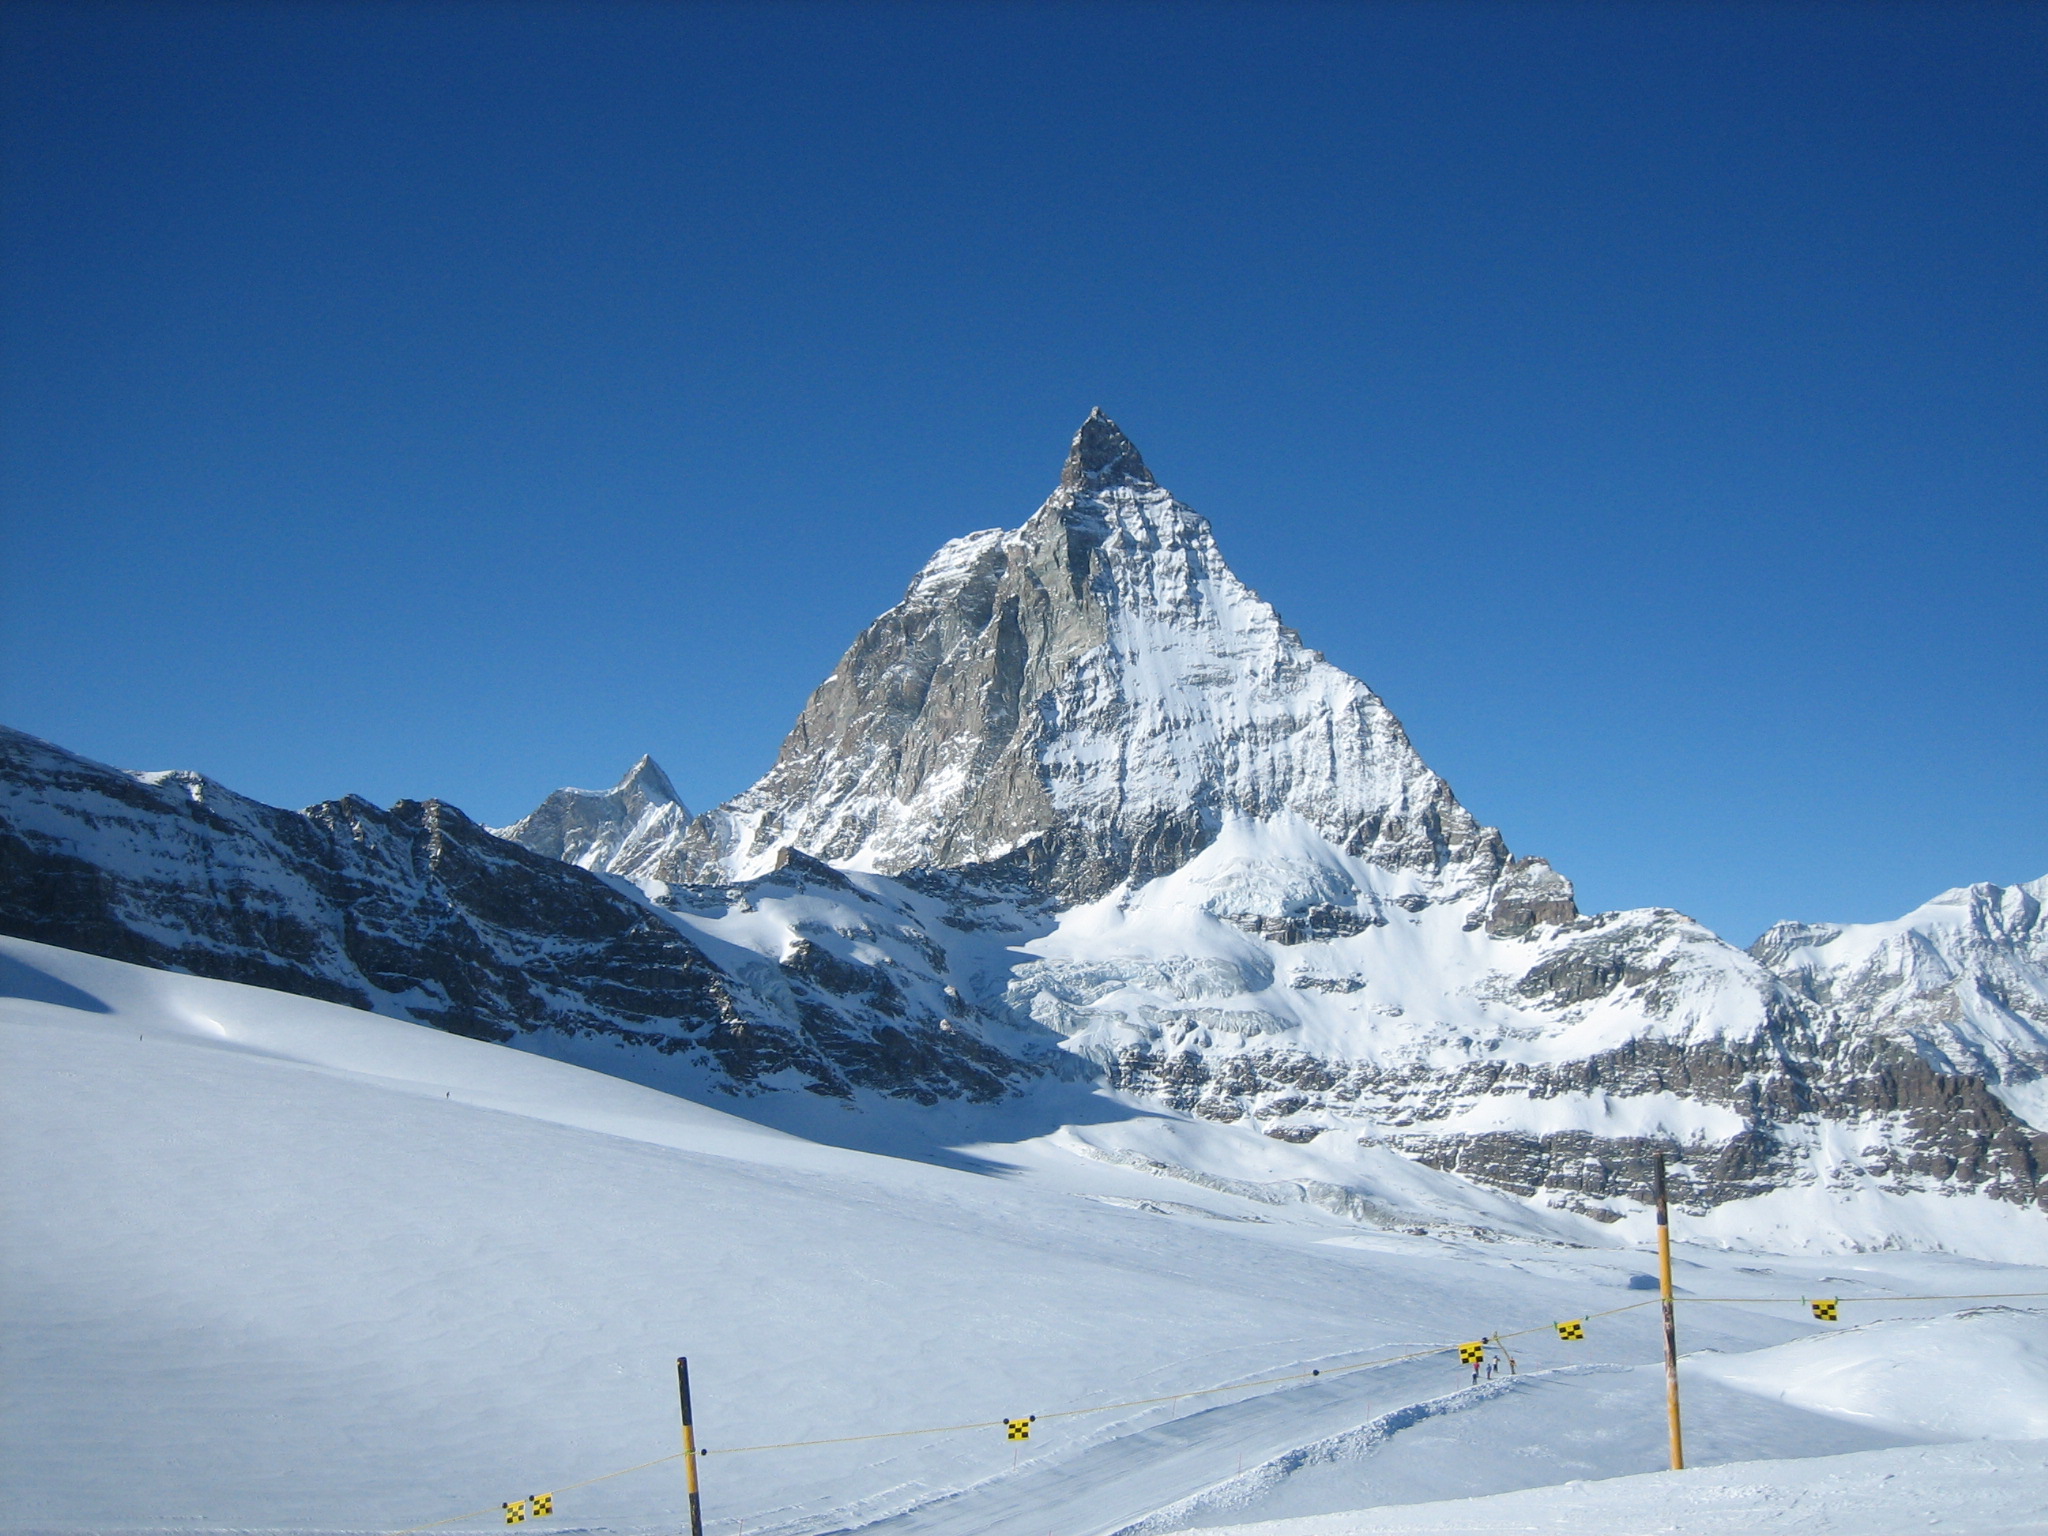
pixel 1228 1073
pixel 1081 807
pixel 1265 909
pixel 1088 698
pixel 419 913
pixel 616 828
pixel 1962 980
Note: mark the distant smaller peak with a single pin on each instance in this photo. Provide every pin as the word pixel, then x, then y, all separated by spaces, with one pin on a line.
pixel 1102 456
pixel 646 782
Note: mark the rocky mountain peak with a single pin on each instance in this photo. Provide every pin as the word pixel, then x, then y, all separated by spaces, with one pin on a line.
pixel 645 787
pixel 1102 456
pixel 1085 700
pixel 597 828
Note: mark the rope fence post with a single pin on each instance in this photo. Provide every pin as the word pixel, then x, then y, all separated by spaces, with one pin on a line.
pixel 689 1448
pixel 1670 1319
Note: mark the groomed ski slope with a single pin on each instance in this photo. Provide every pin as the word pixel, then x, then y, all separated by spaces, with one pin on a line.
pixel 274 1264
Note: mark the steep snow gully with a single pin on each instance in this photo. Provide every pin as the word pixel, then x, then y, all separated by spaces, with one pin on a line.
pixel 1094 945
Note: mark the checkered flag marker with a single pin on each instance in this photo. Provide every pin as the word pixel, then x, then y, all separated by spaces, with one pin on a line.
pixel 515 1512
pixel 1473 1353
pixel 543 1505
pixel 1020 1429
pixel 1826 1311
pixel 1574 1330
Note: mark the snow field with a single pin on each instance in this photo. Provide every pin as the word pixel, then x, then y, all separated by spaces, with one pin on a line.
pixel 1960 1490
pixel 275 1264
pixel 1975 1375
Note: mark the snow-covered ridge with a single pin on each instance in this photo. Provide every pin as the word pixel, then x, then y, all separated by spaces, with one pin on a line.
pixel 419 913
pixel 1296 996
pixel 1082 808
pixel 1275 914
pixel 1269 912
pixel 1963 978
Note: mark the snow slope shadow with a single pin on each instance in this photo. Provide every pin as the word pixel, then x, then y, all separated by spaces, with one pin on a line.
pixel 19 979
pixel 945 1134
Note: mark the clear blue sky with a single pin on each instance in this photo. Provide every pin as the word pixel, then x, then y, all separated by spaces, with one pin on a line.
pixel 460 400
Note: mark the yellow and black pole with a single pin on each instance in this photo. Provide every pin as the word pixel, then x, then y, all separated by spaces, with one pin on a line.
pixel 690 1449
pixel 1670 1321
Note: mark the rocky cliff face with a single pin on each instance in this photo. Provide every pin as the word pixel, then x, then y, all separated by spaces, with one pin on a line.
pixel 1553 1062
pixel 419 913
pixel 1960 983
pixel 618 828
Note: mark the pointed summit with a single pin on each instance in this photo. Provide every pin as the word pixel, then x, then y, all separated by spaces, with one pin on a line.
pixel 1086 700
pixel 645 786
pixel 599 827
pixel 1102 456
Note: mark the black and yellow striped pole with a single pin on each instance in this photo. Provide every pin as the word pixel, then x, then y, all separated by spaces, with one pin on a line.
pixel 1670 1320
pixel 689 1448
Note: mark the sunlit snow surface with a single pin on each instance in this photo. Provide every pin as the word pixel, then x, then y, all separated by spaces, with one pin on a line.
pixel 1421 1004
pixel 1958 1490
pixel 274 1264
pixel 1981 1375
pixel 1417 982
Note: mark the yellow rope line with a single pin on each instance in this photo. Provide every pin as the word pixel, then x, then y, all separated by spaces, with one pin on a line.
pixel 1148 1402
pixel 1802 1300
pixel 1240 1386
pixel 891 1434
